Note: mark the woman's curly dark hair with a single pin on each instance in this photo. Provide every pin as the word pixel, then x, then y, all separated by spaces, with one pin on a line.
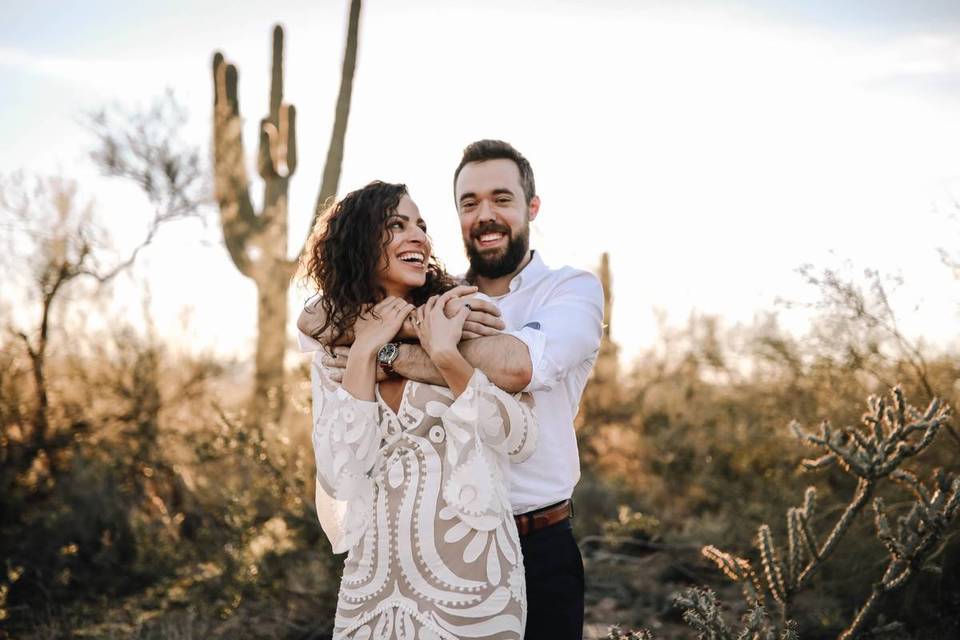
pixel 344 252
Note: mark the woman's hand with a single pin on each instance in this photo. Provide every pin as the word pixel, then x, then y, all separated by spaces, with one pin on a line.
pixel 437 333
pixel 378 325
pixel 439 336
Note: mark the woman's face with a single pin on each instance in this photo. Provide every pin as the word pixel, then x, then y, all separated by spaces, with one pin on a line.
pixel 403 264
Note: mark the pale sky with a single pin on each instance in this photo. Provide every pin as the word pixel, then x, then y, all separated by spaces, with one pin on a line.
pixel 711 149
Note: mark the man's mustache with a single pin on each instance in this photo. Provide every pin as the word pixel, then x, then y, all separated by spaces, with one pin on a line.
pixel 489 227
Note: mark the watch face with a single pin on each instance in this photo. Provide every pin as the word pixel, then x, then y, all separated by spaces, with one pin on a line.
pixel 388 353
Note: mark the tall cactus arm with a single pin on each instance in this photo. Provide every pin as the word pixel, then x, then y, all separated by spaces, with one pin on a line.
pixel 331 170
pixel 231 186
pixel 277 157
pixel 276 74
pixel 278 145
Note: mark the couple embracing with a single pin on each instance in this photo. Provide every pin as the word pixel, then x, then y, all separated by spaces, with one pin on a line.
pixel 443 412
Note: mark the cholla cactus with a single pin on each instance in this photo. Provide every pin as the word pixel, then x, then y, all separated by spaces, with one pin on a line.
pixel 885 441
pixel 890 434
pixel 703 614
pixel 918 534
pixel 616 633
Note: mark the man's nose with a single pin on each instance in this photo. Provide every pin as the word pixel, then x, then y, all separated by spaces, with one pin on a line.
pixel 485 212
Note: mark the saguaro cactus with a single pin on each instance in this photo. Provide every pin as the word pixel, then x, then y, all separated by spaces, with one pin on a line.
pixel 257 242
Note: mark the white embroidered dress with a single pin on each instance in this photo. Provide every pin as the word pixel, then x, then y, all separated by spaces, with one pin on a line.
pixel 420 501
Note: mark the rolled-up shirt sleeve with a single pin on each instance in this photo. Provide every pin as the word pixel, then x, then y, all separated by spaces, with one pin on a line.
pixel 564 332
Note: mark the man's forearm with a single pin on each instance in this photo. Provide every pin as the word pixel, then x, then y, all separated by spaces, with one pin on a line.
pixel 312 318
pixel 505 360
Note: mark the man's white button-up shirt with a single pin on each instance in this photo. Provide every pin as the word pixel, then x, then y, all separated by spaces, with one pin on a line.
pixel 558 314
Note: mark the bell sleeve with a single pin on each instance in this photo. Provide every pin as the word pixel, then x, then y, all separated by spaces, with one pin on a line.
pixel 346 443
pixel 503 421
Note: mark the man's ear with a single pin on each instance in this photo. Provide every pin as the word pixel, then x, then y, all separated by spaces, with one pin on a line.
pixel 533 208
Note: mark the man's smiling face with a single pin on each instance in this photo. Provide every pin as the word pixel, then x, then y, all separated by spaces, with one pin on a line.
pixel 494 216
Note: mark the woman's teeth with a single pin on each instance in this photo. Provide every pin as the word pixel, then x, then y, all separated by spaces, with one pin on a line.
pixel 411 257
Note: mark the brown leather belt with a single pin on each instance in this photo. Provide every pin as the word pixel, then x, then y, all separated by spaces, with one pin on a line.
pixel 527 523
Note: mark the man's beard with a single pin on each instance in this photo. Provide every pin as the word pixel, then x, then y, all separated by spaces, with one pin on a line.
pixel 505 264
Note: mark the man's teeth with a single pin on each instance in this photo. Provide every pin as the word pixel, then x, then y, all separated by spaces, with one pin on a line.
pixel 489 237
pixel 411 257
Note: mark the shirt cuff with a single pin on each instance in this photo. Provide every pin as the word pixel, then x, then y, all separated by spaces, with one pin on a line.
pixel 536 342
pixel 307 344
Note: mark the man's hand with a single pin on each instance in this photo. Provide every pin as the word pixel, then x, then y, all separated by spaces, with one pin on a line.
pixel 337 364
pixel 483 319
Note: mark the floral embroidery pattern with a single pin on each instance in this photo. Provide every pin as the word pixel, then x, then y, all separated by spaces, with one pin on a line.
pixel 423 510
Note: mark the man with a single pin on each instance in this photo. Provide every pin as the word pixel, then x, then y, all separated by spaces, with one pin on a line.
pixel 554 322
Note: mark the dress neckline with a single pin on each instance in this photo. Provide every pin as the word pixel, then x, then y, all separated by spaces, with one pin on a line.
pixel 403 400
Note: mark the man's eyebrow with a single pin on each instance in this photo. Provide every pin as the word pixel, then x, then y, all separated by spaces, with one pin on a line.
pixel 499 191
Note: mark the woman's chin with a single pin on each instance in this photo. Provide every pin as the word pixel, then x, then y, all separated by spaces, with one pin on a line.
pixel 416 283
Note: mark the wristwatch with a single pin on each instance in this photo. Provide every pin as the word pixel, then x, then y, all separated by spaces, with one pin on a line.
pixel 387 355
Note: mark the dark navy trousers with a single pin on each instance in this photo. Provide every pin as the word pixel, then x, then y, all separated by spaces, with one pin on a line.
pixel 555 584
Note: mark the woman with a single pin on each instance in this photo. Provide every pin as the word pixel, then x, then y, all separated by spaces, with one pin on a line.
pixel 412 478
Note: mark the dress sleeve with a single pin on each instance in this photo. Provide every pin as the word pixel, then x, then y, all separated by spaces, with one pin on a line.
pixel 504 422
pixel 346 442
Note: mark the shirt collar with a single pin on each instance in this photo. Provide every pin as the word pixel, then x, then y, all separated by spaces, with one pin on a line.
pixel 534 270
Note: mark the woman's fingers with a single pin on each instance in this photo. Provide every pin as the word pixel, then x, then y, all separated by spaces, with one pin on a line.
pixel 384 304
pixel 463 290
pixel 449 295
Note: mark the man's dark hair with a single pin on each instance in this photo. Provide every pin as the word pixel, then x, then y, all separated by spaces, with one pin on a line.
pixel 483 150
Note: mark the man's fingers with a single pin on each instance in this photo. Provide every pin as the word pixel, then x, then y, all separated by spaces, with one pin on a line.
pixel 491 321
pixel 479 329
pixel 479 304
pixel 337 375
pixel 469 335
